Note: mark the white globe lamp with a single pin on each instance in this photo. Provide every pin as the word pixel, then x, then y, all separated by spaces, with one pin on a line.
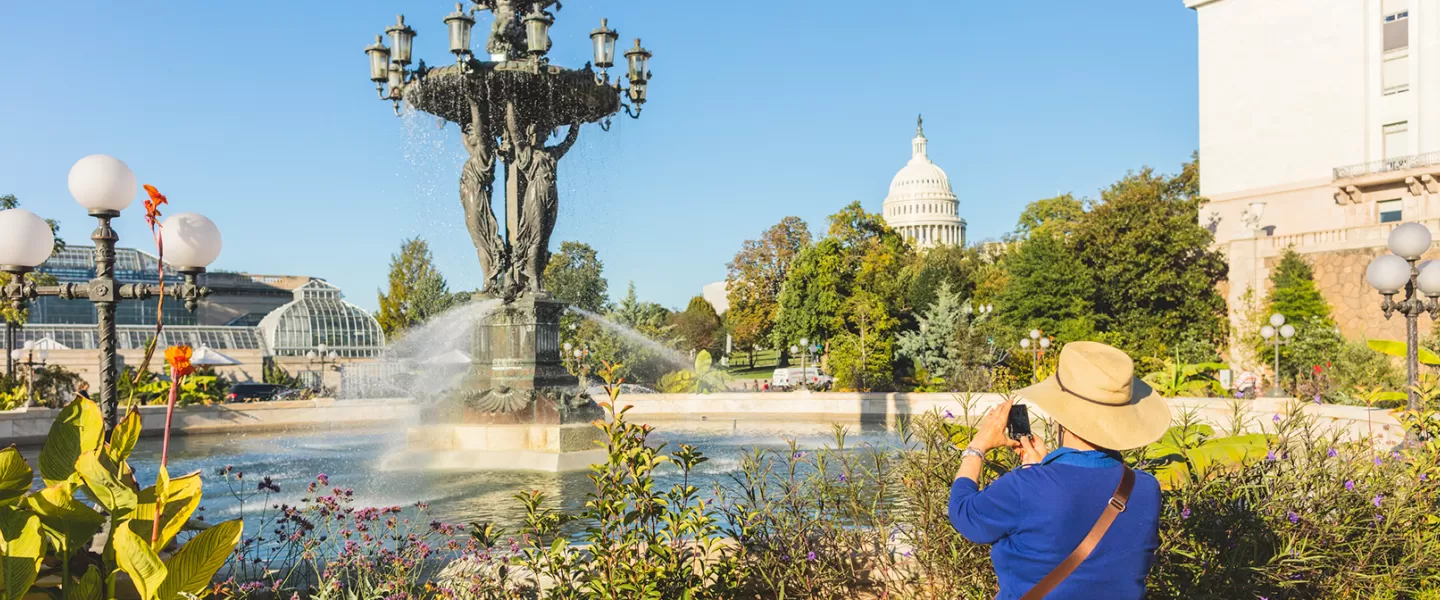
pixel 1267 332
pixel 1277 319
pixel 25 240
pixel 1429 278
pixel 1410 240
pixel 192 241
pixel 102 184
pixel 1388 273
pixel 1287 331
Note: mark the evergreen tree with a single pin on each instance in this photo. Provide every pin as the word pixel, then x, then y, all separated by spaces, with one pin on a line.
pixel 935 343
pixel 576 275
pixel 1293 292
pixel 417 291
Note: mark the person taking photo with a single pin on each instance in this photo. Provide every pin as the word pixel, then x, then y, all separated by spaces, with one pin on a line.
pixel 1075 523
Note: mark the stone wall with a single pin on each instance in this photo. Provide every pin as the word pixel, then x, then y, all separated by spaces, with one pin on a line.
pixel 1340 276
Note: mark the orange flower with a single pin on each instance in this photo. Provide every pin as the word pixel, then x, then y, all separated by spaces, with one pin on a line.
pixel 152 206
pixel 179 359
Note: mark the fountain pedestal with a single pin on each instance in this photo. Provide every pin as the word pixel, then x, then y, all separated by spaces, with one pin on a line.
pixel 517 408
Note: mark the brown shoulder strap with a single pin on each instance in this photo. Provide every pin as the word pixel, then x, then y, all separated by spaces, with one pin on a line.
pixel 1081 552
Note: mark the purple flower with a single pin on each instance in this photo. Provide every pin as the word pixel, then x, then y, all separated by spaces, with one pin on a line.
pixel 810 557
pixel 1185 514
pixel 1294 518
pixel 800 454
pixel 1317 398
pixel 948 415
pixel 1349 485
pixel 1424 477
pixel 1379 517
pixel 843 478
pixel 1239 394
pixel 1332 453
pixel 1270 456
pixel 1376 500
pixel 1276 418
pixel 1377 461
pixel 1396 455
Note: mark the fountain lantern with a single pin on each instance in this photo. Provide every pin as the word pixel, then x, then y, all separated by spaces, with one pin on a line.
pixel 508 108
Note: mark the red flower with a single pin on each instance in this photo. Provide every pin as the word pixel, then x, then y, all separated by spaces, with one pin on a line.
pixel 1317 369
pixel 179 359
pixel 152 206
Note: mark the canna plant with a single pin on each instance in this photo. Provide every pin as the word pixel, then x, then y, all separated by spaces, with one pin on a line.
pixel 86 553
pixel 1178 379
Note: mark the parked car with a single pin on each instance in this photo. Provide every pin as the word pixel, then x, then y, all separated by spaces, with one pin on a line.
pixel 256 392
pixel 789 379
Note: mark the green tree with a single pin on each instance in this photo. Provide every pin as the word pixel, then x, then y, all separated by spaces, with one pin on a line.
pixel 1154 271
pixel 756 277
pixel 1293 292
pixel 698 327
pixel 934 345
pixel 417 291
pixel 1058 216
pixel 576 275
pixel 952 266
pixel 1048 287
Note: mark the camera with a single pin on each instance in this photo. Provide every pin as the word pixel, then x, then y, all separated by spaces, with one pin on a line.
pixel 1017 424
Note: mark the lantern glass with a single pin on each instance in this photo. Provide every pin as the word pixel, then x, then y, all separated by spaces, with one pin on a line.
pixel 1044 342
pixel 1287 331
pixel 604 41
pixel 639 59
pixel 537 32
pixel 379 61
pixel 1024 342
pixel 637 93
pixel 25 238
pixel 1277 319
pixel 1429 279
pixel 401 35
pixel 460 25
pixel 1267 332
pixel 397 79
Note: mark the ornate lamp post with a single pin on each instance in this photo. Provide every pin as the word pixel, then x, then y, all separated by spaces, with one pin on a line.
pixel 1035 345
pixel 26 358
pixel 508 108
pixel 104 186
pixel 1277 326
pixel 325 357
pixel 1392 273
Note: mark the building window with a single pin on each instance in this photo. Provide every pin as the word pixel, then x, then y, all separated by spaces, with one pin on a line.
pixel 1397 140
pixel 1389 211
pixel 1395 74
pixel 1397 31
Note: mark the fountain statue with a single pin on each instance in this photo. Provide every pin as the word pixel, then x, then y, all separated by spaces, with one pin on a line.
pixel 508 108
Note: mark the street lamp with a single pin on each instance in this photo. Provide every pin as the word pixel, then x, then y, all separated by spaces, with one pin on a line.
pixel 325 357
pixel 27 358
pixel 1391 273
pixel 1036 346
pixel 1285 331
pixel 104 186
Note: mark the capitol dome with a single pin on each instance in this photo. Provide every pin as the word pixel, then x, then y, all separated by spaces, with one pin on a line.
pixel 920 205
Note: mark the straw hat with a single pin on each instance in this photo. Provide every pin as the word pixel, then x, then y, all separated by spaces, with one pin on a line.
pixel 1094 393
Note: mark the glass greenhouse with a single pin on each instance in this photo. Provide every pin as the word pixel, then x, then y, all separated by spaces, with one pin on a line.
pixel 318 315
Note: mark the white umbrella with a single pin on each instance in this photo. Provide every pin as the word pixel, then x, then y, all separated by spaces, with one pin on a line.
pixel 205 356
pixel 453 357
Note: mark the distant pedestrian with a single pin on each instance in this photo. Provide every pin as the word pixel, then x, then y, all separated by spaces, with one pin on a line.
pixel 83 389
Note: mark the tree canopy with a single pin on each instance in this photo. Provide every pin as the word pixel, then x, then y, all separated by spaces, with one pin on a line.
pixel 416 290
pixel 756 276
pixel 576 275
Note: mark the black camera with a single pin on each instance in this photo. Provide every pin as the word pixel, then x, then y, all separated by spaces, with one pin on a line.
pixel 1017 425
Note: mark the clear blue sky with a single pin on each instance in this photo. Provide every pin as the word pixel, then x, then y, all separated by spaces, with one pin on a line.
pixel 259 114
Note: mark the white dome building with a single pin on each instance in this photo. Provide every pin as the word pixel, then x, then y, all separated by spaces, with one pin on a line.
pixel 920 205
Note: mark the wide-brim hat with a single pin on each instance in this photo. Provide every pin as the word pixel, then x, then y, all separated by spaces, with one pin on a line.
pixel 1094 393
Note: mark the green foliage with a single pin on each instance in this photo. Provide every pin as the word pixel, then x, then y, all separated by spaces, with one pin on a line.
pixel 202 387
pixel 576 275
pixel 56 524
pixel 954 266
pixel 1189 453
pixel 1293 292
pixel 416 290
pixel 698 327
pixel 1056 217
pixel 756 277
pixel 276 374
pixel 1178 379
pixel 950 343
pixel 1397 349
pixel 1049 288
pixel 643 363
pixel 703 379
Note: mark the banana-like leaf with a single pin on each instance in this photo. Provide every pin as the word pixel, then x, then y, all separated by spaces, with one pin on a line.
pixel 195 564
pixel 66 522
pixel 181 498
pixel 136 558
pixel 87 588
pixel 1396 348
pixel 1228 452
pixel 15 475
pixel 702 361
pixel 960 435
pixel 124 437
pixel 76 430
pixel 21 549
pixel 105 486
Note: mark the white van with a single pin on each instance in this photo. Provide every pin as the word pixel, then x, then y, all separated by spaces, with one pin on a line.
pixel 813 378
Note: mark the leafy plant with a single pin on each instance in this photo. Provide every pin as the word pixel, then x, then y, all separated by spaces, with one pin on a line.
pixel 53 526
pixel 1397 349
pixel 1190 453
pixel 1175 379
pixel 703 379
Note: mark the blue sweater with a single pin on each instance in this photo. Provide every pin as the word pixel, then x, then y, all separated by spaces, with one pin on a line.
pixel 1034 517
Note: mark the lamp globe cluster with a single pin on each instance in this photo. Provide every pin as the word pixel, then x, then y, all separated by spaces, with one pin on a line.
pixel 1401 272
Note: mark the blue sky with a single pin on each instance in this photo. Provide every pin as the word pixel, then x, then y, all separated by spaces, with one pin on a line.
pixel 259 114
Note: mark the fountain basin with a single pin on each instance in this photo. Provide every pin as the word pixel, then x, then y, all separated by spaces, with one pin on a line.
pixel 489 447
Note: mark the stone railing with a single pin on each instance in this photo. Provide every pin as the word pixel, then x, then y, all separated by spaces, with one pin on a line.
pixel 1361 236
pixel 1387 165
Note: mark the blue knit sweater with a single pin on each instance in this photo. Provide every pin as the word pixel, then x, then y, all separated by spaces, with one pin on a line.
pixel 1034 517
